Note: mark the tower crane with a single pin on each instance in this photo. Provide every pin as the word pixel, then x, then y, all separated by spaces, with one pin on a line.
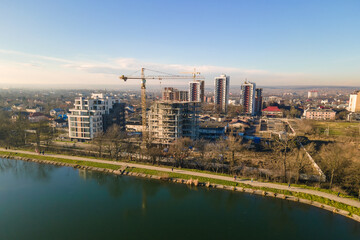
pixel 143 78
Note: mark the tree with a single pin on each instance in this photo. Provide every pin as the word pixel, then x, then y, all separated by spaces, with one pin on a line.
pixel 283 144
pixel 180 150
pixel 298 162
pixel 334 160
pixel 114 138
pixel 99 141
pixel 233 144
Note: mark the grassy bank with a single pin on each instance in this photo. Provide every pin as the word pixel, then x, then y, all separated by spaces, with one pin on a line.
pixel 322 200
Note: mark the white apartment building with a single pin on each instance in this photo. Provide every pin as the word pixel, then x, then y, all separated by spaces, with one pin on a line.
pixel 221 92
pixel 86 118
pixel 354 102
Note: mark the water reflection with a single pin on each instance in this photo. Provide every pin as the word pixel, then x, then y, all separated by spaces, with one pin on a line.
pixel 21 169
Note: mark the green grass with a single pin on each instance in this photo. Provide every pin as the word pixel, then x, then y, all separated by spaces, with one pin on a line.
pixel 322 200
pixel 338 128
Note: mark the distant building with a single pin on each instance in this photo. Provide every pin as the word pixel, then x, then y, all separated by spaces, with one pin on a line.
pixel 272 111
pixel 196 91
pixel 221 92
pixel 173 94
pixel 92 115
pixel 37 117
pixel 313 94
pixel 354 102
pixel 247 97
pixel 168 121
pixel 319 114
pixel 56 112
pixel 212 130
pixel 33 110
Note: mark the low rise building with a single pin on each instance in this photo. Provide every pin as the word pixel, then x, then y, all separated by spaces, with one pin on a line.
pixel 272 111
pixel 212 130
pixel 319 114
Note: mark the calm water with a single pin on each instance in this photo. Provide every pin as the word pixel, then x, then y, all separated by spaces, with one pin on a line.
pixel 49 202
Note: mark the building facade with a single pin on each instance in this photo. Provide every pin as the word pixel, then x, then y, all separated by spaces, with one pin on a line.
pixel 258 101
pixel 354 102
pixel 319 114
pixel 196 91
pixel 247 97
pixel 221 93
pixel 168 121
pixel 313 94
pixel 173 94
pixel 93 115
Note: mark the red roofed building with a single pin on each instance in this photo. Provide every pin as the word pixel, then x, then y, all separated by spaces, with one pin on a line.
pixel 272 111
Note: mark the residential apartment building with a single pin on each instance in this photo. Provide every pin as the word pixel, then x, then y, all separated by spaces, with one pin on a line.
pixel 313 94
pixel 196 91
pixel 354 102
pixel 258 101
pixel 173 94
pixel 319 114
pixel 221 93
pixel 92 115
pixel 247 97
pixel 168 121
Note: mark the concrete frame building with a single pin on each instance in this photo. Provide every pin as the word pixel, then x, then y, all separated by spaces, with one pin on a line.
pixel 196 91
pixel 221 92
pixel 247 97
pixel 168 121
pixel 173 94
pixel 92 115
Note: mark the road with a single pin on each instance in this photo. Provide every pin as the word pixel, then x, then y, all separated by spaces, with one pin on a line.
pixel 347 201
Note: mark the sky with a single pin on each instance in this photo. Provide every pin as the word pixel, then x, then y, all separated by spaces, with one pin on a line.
pixel 271 43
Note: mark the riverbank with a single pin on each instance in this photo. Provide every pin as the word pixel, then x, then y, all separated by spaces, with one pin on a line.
pixel 194 178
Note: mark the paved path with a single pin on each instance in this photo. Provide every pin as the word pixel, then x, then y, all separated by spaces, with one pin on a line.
pixel 348 201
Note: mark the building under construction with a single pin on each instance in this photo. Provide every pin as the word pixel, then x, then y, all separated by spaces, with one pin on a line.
pixel 168 121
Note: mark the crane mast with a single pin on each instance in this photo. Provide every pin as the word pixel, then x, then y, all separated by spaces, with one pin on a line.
pixel 143 78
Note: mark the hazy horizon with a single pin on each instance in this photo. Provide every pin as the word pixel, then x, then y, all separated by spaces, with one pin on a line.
pixel 269 43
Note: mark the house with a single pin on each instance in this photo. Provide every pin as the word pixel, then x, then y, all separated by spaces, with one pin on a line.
pixel 212 130
pixel 59 123
pixel 272 111
pixel 56 112
pixel 37 117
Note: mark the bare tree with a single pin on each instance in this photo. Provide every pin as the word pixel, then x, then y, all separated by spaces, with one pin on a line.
pixel 180 150
pixel 334 160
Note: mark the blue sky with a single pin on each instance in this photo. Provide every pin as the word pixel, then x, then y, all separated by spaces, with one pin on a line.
pixel 269 42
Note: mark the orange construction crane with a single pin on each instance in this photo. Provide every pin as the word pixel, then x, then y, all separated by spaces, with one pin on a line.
pixel 143 78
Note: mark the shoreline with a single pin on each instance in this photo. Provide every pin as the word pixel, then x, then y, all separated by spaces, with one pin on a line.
pixel 195 182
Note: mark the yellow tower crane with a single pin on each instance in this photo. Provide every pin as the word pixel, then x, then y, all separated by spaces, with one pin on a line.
pixel 195 75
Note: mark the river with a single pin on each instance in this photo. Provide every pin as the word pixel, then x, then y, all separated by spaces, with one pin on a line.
pixel 39 201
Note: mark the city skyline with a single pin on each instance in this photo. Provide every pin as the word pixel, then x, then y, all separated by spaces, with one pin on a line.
pixel 293 43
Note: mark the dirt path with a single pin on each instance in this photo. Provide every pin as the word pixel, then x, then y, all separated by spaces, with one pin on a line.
pixel 348 201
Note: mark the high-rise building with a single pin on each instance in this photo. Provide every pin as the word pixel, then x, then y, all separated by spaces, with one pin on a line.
pixel 171 120
pixel 354 102
pixel 92 115
pixel 196 91
pixel 258 101
pixel 247 97
pixel 173 94
pixel 221 92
